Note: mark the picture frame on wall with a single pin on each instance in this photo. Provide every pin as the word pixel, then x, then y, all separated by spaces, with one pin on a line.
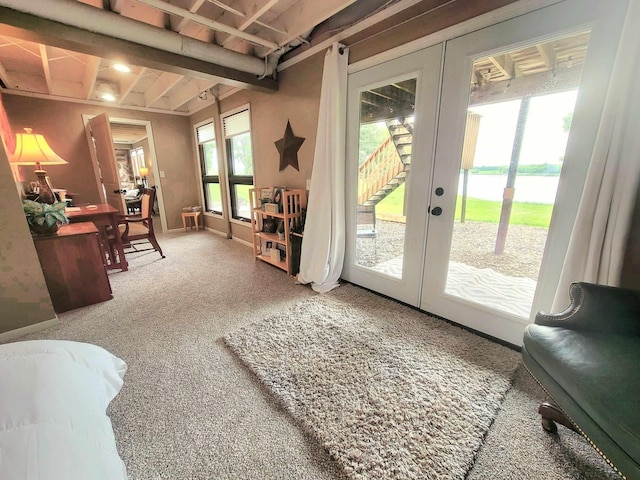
pixel 278 194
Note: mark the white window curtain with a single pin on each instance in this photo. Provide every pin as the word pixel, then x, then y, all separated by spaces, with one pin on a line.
pixel 598 241
pixel 323 244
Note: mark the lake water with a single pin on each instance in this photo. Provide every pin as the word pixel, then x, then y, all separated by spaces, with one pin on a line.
pixel 530 189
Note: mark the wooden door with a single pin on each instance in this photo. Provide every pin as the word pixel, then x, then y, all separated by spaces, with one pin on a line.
pixel 104 159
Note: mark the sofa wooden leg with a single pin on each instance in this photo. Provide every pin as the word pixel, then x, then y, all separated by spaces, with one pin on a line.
pixel 551 414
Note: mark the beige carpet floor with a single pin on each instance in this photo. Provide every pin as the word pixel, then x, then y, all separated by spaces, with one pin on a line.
pixel 190 410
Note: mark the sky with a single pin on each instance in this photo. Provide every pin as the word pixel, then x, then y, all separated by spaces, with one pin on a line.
pixel 544 140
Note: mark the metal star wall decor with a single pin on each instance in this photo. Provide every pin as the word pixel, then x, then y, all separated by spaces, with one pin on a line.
pixel 288 147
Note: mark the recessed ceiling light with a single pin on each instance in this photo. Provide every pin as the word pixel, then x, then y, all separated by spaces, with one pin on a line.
pixel 121 67
pixel 109 97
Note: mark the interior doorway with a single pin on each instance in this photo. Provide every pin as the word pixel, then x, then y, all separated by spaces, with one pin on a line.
pixel 137 134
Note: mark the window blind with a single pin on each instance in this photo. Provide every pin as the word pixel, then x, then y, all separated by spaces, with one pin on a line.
pixel 236 124
pixel 206 132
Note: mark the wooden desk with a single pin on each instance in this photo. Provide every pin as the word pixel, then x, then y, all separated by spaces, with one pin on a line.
pixel 73 266
pixel 104 216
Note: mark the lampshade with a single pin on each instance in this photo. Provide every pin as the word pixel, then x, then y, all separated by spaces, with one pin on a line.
pixel 144 171
pixel 33 149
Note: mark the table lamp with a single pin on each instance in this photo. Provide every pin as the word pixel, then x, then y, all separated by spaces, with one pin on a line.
pixel 33 149
pixel 144 171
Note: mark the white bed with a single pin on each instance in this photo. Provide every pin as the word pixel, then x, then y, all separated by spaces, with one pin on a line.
pixel 53 422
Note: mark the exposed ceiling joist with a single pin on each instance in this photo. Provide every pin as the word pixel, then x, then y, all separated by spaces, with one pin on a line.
pixel 548 54
pixel 127 87
pixel 528 85
pixel 90 76
pixel 195 6
pixel 83 17
pixel 165 82
pixel 253 13
pixel 116 5
pixel 301 18
pixel 212 24
pixel 45 67
pixel 190 90
pixel 36 29
pixel 6 79
pixel 504 64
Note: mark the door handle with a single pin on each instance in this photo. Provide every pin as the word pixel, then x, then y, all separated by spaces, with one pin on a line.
pixel 436 211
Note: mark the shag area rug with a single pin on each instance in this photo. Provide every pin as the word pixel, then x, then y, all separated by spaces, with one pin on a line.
pixel 390 392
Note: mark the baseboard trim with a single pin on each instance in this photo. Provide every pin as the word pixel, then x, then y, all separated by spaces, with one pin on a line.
pixel 243 242
pixel 36 327
pixel 217 232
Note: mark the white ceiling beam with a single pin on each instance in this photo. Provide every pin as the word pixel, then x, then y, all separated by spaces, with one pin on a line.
pixel 187 92
pixel 45 67
pixel 195 6
pixel 303 16
pixel 6 79
pixel 165 82
pixel 221 27
pixel 90 76
pixel 127 87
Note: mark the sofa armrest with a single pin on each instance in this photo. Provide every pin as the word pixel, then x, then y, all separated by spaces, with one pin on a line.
pixel 598 308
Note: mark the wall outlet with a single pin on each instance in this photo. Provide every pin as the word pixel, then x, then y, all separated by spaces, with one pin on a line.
pixel 161 173
pixel 308 184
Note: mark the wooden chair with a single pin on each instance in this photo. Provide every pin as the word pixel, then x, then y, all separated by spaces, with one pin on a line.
pixel 139 228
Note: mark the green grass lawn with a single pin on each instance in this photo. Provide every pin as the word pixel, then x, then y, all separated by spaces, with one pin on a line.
pixel 532 214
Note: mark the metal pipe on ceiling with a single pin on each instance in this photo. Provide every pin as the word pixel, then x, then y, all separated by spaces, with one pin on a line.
pixel 86 17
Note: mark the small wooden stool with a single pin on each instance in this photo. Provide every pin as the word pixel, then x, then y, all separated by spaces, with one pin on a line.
pixel 191 215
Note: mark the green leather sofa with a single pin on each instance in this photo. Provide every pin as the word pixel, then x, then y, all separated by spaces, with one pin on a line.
pixel 587 359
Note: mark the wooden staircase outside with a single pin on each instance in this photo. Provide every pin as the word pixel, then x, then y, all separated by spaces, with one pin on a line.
pixel 386 168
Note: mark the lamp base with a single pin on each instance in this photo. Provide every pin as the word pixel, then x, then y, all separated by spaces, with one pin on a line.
pixel 46 192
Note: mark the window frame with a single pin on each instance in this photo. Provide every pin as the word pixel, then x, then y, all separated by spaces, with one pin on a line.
pixel 136 154
pixel 204 178
pixel 234 179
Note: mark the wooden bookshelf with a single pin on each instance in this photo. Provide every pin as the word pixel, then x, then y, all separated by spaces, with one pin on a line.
pixel 293 201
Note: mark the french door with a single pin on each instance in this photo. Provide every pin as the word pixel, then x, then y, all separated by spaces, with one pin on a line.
pixel 389 146
pixel 497 166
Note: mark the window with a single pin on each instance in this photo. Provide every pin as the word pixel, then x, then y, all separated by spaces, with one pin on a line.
pixel 209 167
pixel 237 134
pixel 137 161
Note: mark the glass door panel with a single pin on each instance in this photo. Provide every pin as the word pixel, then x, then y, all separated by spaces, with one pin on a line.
pixel 512 156
pixel 384 162
pixel 510 161
pixel 389 160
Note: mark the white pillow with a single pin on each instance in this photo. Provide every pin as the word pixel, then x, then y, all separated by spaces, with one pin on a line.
pixel 53 400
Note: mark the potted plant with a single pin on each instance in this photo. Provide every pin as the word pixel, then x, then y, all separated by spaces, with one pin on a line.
pixel 44 218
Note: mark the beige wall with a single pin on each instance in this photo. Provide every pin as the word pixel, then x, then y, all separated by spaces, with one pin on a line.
pixel 297 100
pixel 62 125
pixel 24 298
